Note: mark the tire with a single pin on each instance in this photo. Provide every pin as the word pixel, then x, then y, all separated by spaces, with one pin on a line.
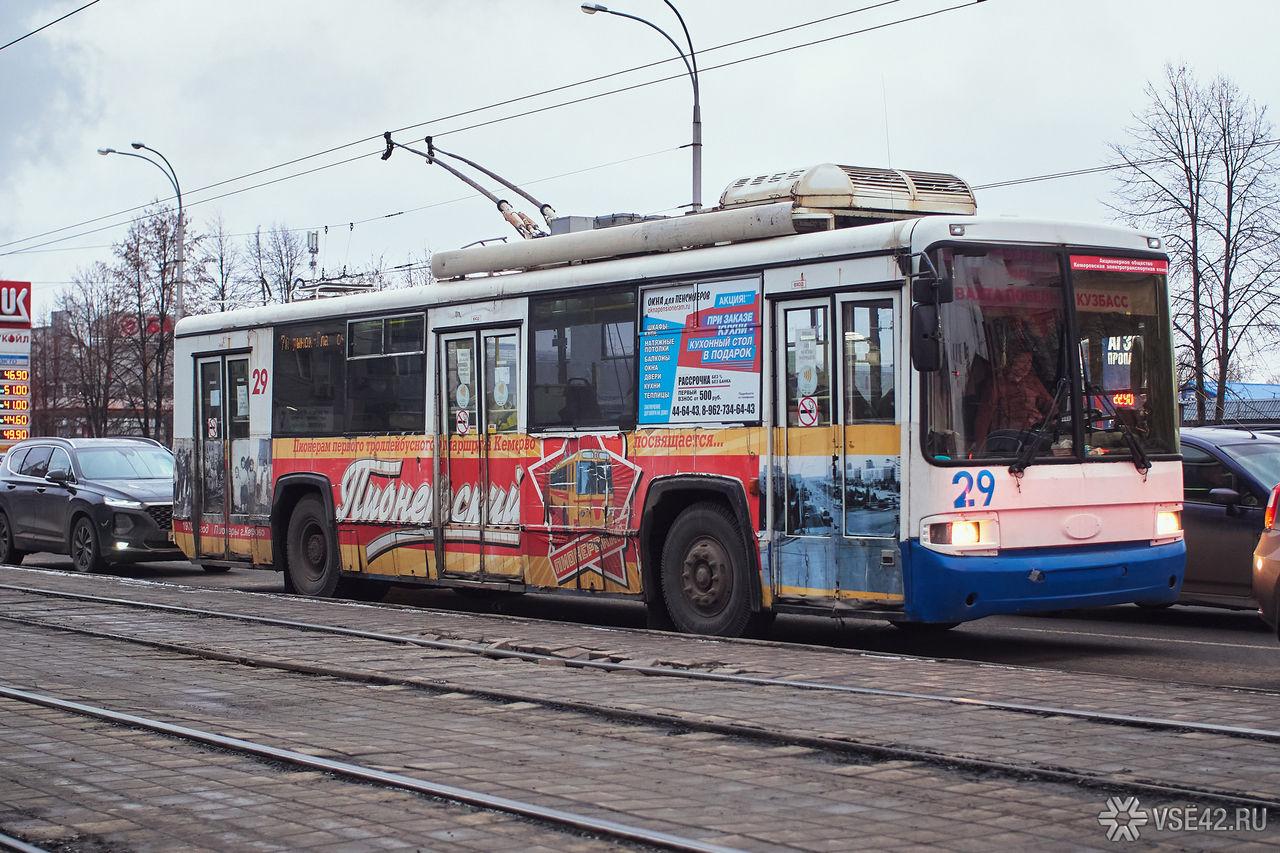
pixel 704 573
pixel 311 552
pixel 8 553
pixel 86 553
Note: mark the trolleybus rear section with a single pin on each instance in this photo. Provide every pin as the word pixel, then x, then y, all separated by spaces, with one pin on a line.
pixel 803 401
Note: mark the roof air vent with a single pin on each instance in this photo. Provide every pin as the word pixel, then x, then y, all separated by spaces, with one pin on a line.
pixel 856 191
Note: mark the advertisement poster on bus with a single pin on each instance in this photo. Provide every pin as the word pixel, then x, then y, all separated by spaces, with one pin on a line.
pixel 700 353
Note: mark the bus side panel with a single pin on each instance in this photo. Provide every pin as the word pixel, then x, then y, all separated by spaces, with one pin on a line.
pixel 577 514
pixel 382 498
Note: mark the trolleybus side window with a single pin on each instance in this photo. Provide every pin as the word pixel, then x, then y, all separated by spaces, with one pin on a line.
pixel 808 368
pixel 868 362
pixel 501 382
pixel 386 365
pixel 460 385
pixel 584 360
pixel 309 381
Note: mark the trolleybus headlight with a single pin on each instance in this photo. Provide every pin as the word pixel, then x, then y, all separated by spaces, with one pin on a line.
pixel 966 535
pixel 955 533
pixel 1168 523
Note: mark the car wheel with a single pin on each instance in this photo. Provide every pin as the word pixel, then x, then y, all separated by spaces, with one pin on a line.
pixel 86 556
pixel 8 553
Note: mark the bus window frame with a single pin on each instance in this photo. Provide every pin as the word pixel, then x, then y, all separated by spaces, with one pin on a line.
pixel 628 414
pixel 1071 332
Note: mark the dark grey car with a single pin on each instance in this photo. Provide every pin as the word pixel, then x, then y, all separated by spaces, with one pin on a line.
pixel 1227 475
pixel 101 500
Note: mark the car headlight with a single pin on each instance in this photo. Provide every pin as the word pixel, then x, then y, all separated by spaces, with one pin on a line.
pixel 123 503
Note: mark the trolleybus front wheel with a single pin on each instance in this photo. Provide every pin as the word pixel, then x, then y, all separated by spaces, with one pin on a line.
pixel 312 557
pixel 704 573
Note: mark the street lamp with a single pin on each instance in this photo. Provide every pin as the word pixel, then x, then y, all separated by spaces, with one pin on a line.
pixel 691 65
pixel 169 173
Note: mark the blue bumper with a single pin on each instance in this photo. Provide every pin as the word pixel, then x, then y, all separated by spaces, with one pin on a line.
pixel 945 588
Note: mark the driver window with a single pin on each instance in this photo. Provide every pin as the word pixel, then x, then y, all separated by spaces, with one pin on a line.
pixel 1201 474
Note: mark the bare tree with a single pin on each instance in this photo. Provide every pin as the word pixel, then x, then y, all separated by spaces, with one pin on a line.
pixel 275 260
pixel 417 271
pixel 1198 168
pixel 146 277
pixel 223 274
pixel 92 337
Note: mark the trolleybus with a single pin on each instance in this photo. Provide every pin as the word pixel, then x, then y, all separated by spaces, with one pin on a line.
pixel 840 392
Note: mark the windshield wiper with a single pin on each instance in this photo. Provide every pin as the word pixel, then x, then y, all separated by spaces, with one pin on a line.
pixel 1027 452
pixel 1139 456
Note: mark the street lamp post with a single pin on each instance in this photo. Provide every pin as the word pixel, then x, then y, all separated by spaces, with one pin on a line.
pixel 167 168
pixel 691 65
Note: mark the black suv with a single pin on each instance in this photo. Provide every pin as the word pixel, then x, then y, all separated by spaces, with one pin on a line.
pixel 101 500
pixel 1227 476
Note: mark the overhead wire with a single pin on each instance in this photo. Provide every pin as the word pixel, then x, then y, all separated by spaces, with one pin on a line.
pixel 50 24
pixel 499 104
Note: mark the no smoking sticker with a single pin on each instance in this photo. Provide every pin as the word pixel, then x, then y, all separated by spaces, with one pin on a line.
pixel 807 411
pixel 464 422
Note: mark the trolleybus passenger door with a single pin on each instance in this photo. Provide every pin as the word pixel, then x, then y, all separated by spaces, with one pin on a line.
pixel 479 507
pixel 836 493
pixel 869 564
pixel 224 491
pixel 806 491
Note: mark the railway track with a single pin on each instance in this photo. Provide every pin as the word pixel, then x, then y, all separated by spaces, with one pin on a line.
pixel 881 749
pixel 580 824
pixel 667 671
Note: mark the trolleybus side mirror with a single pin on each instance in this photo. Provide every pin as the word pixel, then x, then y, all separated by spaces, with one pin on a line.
pixel 926 288
pixel 926 342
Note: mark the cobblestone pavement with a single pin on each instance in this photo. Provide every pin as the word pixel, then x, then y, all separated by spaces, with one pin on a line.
pixel 738 792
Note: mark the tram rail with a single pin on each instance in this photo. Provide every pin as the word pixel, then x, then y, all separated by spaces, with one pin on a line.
pixel 742 730
pixel 667 671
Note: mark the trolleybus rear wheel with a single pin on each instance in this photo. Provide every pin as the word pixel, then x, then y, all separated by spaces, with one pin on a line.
pixel 704 573
pixel 312 557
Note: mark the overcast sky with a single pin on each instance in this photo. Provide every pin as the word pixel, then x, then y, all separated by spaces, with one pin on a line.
pixel 991 91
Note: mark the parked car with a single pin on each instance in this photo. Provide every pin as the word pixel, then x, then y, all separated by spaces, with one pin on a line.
pixel 1266 566
pixel 1228 476
pixel 101 500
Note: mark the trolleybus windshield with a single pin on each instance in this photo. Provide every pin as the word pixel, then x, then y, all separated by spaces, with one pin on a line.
pixel 1050 356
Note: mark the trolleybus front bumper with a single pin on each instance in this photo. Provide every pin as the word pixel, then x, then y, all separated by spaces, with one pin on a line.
pixel 946 588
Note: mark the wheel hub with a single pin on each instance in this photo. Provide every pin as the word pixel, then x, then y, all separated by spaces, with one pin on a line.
pixel 706 578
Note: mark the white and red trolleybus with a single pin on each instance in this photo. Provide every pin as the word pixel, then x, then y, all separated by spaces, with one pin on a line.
pixel 840 392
